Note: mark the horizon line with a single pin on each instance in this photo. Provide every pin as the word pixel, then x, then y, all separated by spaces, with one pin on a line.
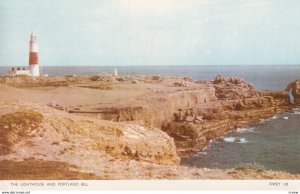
pixel 154 65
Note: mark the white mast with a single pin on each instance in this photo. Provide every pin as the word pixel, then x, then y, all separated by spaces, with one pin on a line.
pixel 115 72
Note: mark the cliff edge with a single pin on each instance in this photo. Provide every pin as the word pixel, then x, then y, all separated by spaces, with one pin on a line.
pixel 111 126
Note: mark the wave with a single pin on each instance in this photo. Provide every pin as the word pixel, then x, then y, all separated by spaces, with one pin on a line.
pixel 264 120
pixel 296 111
pixel 286 118
pixel 254 165
pixel 201 154
pixel 268 119
pixel 235 140
pixel 245 130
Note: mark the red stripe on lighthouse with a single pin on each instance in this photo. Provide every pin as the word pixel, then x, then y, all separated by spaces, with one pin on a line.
pixel 33 58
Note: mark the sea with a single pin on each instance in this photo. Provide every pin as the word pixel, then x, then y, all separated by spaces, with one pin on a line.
pixel 273 143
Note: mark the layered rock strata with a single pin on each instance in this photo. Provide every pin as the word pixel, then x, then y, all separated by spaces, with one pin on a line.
pixel 48 134
pixel 193 112
pixel 238 105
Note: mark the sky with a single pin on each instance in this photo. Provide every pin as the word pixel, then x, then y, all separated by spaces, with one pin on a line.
pixel 151 32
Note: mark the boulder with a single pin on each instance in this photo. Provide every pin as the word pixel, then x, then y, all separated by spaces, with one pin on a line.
pixel 156 77
pixel 233 88
pixel 295 90
pixel 179 84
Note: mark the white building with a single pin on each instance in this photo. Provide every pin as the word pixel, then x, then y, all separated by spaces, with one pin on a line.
pixel 19 71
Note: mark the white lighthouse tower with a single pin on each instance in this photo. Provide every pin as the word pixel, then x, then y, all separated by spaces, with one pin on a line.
pixel 33 57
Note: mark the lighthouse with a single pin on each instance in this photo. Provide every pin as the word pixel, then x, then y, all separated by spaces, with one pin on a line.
pixel 33 57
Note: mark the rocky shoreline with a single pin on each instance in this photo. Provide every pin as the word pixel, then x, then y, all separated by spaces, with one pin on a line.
pixel 111 120
pixel 237 105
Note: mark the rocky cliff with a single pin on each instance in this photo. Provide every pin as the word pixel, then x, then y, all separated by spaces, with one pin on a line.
pixel 40 143
pixel 238 104
pixel 295 90
pixel 193 112
pixel 48 134
pixel 125 127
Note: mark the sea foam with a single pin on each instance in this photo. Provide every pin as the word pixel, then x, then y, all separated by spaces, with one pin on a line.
pixel 201 154
pixel 245 130
pixel 235 140
pixel 268 119
pixel 296 111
